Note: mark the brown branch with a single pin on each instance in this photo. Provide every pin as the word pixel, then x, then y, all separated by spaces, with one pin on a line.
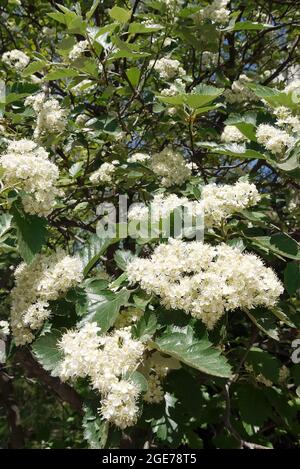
pixel 35 370
pixel 16 440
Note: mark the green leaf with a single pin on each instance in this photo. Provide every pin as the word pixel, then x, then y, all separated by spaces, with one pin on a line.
pixel 92 9
pixel 232 149
pixel 202 95
pixel 31 233
pixel 273 96
pixel 104 307
pixel 46 351
pixel 61 73
pixel 146 325
pixel 181 343
pixel 34 67
pixel 253 405
pixel 292 161
pixel 95 430
pixel 138 28
pixel 133 75
pixel 120 14
pixel 5 225
pixel 247 26
pixel 93 250
pixel 75 169
pixel 123 257
pixel 246 123
pixel 164 425
pixel 292 278
pixel 264 321
pixel 280 244
pixel 264 363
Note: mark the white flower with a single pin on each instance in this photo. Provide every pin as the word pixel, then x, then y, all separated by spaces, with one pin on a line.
pixel 51 118
pixel 239 91
pixel 27 167
pixel 286 119
pixel 78 49
pixel 215 12
pixel 232 134
pixel 46 278
pixel 205 281
pixel 105 359
pixel 104 174
pixel 4 328
pixel 167 68
pixel 138 158
pixel 119 406
pixel 219 202
pixel 275 140
pixel 80 349
pixel 36 101
pixel 292 87
pixel 15 59
pixel 171 167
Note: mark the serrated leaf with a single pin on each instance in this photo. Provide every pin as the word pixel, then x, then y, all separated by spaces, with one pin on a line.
pixel 93 250
pixel 182 344
pixel 31 233
pixel 95 429
pixel 146 325
pixel 46 351
pixel 104 307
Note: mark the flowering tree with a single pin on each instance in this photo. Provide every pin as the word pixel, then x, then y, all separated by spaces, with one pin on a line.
pixel 148 231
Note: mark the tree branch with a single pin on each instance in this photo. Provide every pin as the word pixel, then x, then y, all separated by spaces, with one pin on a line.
pixel 35 370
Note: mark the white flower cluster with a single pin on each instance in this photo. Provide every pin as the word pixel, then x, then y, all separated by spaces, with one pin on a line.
pixel 286 119
pixel 176 88
pixel 292 87
pixel 138 158
pixel 239 92
pixel 171 166
pixel 161 207
pixel 51 118
pixel 219 202
pixel 167 68
pixel 128 316
pixel 107 360
pixel 4 328
pixel 105 174
pixel 77 50
pixel 15 59
pixel 216 204
pixel 216 12
pixel 27 167
pixel 232 134
pixel 209 59
pixel 275 140
pixel 204 280
pixel 46 278
pixel 157 367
